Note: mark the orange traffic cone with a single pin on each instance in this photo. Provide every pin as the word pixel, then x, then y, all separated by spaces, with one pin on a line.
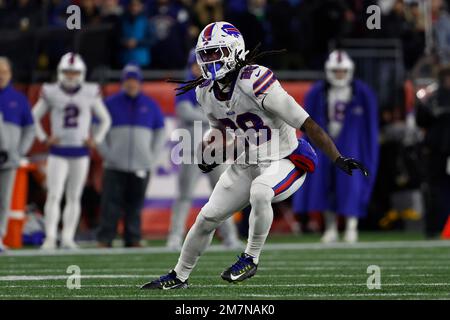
pixel 13 238
pixel 446 232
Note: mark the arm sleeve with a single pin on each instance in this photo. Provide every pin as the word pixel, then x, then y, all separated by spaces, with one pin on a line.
pixel 280 103
pixel 103 116
pixel 39 110
pixel 189 113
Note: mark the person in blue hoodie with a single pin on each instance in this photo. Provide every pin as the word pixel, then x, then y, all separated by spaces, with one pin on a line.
pixel 136 36
pixel 348 109
pixel 16 136
pixel 130 152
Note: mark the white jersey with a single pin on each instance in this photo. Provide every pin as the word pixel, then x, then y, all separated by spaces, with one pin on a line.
pixel 257 101
pixel 71 113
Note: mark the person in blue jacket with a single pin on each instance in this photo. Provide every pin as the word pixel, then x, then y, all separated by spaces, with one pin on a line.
pixel 130 152
pixel 16 136
pixel 348 109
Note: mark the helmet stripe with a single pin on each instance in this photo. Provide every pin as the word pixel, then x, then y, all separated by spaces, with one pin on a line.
pixel 208 32
pixel 339 56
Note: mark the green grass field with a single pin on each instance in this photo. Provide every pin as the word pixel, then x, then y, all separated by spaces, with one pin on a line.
pixel 290 268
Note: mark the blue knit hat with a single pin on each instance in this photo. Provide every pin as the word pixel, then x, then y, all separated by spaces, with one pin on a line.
pixel 131 71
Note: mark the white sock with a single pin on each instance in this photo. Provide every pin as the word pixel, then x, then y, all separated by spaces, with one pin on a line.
pixel 51 219
pixel 197 240
pixel 330 221
pixel 351 224
pixel 71 217
pixel 260 219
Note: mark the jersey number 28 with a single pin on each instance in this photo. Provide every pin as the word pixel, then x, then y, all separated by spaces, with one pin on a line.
pixel 247 121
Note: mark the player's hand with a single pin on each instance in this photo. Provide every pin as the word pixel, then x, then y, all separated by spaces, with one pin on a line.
pixel 3 156
pixel 90 143
pixel 52 141
pixel 348 165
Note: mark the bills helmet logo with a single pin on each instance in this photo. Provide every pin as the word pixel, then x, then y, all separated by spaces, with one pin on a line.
pixel 207 33
pixel 231 30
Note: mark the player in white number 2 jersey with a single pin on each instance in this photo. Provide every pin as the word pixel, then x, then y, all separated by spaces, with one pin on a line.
pixel 239 95
pixel 71 103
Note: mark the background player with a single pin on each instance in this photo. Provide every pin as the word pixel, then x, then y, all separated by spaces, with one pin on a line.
pixel 188 111
pixel 235 94
pixel 71 103
pixel 349 114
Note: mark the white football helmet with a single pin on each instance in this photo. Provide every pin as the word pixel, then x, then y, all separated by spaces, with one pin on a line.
pixel 71 62
pixel 218 45
pixel 339 60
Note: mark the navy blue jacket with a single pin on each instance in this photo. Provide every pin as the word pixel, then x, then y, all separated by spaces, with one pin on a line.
pixel 136 134
pixel 16 126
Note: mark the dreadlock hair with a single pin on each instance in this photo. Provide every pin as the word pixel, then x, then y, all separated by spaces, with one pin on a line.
pixel 251 58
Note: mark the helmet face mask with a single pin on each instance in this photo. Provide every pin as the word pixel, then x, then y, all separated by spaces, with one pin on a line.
pixel 71 71
pixel 339 68
pixel 218 46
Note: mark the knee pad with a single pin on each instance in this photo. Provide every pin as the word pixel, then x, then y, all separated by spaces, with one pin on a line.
pixel 260 195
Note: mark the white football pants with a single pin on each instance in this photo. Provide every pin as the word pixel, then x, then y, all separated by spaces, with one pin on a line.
pixel 69 175
pixel 236 188
pixel 187 180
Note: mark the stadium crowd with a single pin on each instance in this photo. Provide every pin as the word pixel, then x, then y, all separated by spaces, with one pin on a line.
pixel 158 34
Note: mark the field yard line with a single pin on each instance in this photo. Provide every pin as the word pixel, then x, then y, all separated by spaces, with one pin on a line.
pixel 310 270
pixel 64 277
pixel 301 268
pixel 319 295
pixel 49 286
pixel 265 276
pixel 265 262
pixel 220 248
pixel 300 285
pixel 187 295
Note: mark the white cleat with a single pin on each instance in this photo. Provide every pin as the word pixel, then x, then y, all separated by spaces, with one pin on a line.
pixel 330 236
pixel 49 244
pixel 69 245
pixel 351 236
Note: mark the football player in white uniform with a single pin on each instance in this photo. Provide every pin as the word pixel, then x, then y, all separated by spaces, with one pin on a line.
pixel 188 112
pixel 237 94
pixel 71 102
